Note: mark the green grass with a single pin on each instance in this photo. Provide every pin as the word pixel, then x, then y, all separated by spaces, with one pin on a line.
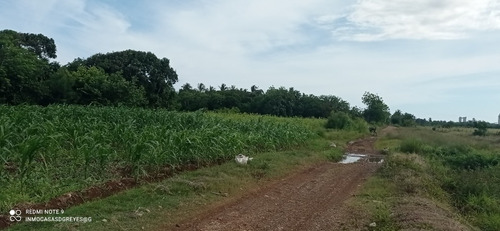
pixel 48 151
pixel 450 166
pixel 377 197
pixel 169 201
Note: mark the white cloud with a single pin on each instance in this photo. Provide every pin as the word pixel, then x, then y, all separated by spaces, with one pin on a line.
pixel 424 19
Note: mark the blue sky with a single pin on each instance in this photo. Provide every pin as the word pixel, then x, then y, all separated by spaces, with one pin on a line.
pixel 438 59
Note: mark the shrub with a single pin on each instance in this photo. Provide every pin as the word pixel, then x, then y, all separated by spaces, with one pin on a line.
pixel 335 155
pixel 471 161
pixel 359 125
pixel 411 146
pixel 479 132
pixel 481 128
pixel 338 120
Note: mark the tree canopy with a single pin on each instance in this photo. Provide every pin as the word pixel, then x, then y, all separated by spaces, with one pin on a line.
pixel 377 111
pixel 141 68
pixel 140 78
pixel 25 66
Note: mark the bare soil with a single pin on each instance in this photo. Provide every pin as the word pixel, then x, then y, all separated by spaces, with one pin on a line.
pixel 314 199
pixel 96 192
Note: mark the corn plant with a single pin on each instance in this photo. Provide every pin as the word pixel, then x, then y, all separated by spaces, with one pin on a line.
pixel 60 148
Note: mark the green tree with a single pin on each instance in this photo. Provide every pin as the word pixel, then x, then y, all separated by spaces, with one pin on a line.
pixel 377 111
pixel 481 128
pixel 61 87
pixel 25 67
pixel 356 112
pixel 335 103
pixel 143 69
pixel 397 118
pixel 93 85
pixel 408 120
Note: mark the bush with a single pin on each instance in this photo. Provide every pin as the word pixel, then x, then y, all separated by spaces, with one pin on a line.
pixel 471 161
pixel 411 146
pixel 481 128
pixel 359 125
pixel 338 120
pixel 479 132
pixel 335 155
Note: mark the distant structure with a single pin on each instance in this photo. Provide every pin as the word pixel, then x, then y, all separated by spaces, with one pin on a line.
pixel 462 119
pixel 498 118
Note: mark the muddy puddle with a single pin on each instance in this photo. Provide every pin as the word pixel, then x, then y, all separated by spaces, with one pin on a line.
pixel 353 158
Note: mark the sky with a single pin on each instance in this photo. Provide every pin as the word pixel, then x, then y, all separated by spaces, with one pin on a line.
pixel 434 59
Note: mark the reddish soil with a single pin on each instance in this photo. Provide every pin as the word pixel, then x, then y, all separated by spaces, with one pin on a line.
pixel 363 146
pixel 104 190
pixel 314 199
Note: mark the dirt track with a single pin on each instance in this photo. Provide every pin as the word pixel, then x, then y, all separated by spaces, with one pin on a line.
pixel 313 199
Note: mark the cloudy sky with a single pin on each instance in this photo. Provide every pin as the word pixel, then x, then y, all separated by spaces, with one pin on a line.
pixel 438 59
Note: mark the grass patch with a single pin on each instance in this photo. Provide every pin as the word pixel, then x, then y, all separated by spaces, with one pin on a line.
pixel 165 203
pixel 377 198
pixel 458 169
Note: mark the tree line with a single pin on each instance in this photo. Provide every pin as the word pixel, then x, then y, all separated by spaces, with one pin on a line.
pixel 29 75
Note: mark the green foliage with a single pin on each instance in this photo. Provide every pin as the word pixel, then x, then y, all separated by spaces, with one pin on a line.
pixel 24 67
pixel 466 171
pixel 342 120
pixel 412 146
pixel 358 124
pixel 397 117
pixel 335 155
pixel 471 161
pixel 56 149
pixel 338 120
pixel 275 101
pixel 405 120
pixel 142 69
pixel 481 128
pixel 377 111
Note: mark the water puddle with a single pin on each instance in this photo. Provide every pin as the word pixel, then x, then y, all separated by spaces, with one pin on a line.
pixel 353 158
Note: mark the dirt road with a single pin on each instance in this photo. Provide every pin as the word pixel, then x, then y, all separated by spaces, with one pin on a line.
pixel 313 199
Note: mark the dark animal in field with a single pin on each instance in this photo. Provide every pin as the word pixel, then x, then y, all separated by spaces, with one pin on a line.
pixel 373 131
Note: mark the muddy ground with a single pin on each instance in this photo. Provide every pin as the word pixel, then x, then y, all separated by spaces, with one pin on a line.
pixel 314 199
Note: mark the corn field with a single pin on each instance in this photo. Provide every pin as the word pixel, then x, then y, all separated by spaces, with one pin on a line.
pixel 47 151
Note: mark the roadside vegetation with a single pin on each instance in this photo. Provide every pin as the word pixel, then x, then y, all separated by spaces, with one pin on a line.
pixel 164 203
pixel 445 172
pixel 48 151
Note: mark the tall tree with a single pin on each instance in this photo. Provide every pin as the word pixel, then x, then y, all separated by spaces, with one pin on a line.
pixel 377 111
pixel 25 66
pixel 397 118
pixel 141 68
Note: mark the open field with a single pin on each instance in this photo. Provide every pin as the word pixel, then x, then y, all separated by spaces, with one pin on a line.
pixel 174 201
pixel 165 202
pixel 444 180
pixel 49 151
